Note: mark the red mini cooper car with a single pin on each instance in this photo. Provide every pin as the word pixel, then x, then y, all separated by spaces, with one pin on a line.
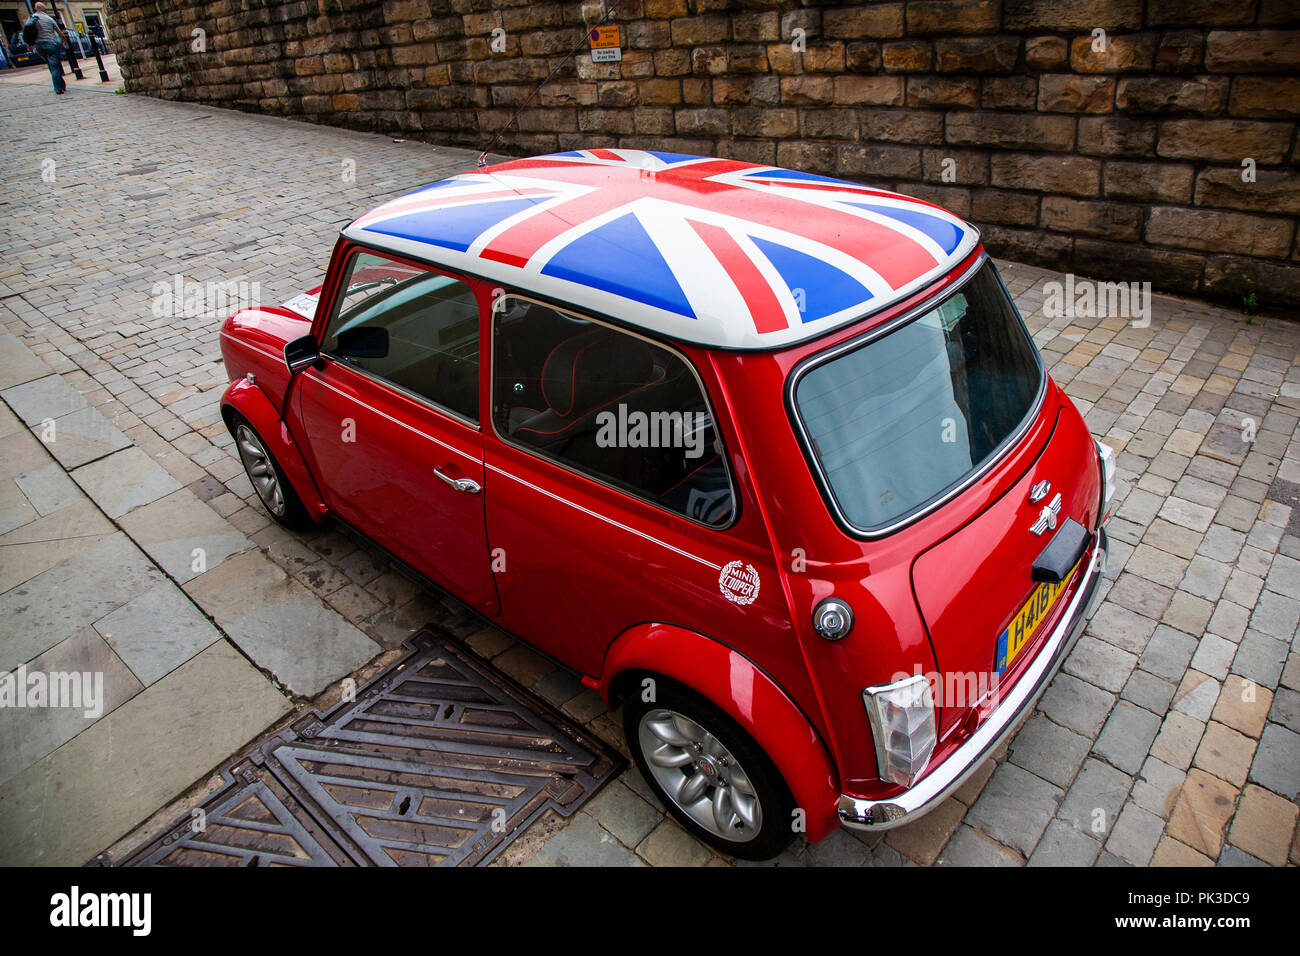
pixel 769 459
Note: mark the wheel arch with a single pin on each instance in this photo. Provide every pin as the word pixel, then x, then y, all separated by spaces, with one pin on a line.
pixel 744 692
pixel 245 399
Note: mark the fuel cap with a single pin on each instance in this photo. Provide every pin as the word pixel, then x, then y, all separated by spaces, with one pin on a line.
pixel 833 619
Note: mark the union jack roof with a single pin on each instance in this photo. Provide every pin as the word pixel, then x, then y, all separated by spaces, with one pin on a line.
pixel 714 252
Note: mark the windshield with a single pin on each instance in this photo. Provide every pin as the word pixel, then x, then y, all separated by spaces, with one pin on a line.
pixel 894 423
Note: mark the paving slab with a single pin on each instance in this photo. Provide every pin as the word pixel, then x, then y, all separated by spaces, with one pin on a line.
pixel 1204 807
pixel 1277 762
pixel 1015 807
pixel 22 452
pixel 41 544
pixel 184 535
pixel 1263 825
pixel 57 603
pixel 83 664
pixel 123 481
pixel 1063 845
pixel 15 508
pixel 624 814
pixel 1093 801
pixel 1135 835
pixel 44 399
pixel 18 363
pixel 924 840
pixel 1157 786
pixel 1127 736
pixel 280 624
pixel 119 771
pixel 48 488
pixel 84 436
pixel 583 843
pixel 157 631
pixel 1076 704
pixel 969 847
pixel 1048 750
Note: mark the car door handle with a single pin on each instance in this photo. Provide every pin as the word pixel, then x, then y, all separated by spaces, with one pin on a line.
pixel 467 485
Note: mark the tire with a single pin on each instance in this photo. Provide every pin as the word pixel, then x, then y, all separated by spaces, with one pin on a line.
pixel 682 734
pixel 267 477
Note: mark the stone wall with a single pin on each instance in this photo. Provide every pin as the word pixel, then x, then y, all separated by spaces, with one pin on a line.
pixel 1119 156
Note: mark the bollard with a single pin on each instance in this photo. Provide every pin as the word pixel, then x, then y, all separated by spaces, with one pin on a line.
pixel 99 62
pixel 72 58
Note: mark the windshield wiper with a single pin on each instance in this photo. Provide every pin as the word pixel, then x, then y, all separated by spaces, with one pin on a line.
pixel 363 286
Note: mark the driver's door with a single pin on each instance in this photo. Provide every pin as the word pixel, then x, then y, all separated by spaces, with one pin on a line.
pixel 391 418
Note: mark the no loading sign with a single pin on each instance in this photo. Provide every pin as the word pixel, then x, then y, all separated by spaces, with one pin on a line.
pixel 739 582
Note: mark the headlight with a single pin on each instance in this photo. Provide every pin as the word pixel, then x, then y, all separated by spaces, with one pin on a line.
pixel 902 722
pixel 1107 456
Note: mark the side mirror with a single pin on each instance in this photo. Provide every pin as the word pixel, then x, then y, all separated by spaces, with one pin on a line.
pixel 301 353
pixel 363 341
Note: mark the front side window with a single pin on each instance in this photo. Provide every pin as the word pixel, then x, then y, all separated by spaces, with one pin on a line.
pixel 611 405
pixel 895 423
pixel 413 327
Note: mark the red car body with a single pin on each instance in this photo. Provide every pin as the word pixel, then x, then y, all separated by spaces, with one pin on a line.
pixel 616 588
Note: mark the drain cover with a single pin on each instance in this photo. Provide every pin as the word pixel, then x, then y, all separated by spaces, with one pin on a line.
pixel 439 760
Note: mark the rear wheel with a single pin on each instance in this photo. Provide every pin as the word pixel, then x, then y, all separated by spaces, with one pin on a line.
pixel 709 773
pixel 267 478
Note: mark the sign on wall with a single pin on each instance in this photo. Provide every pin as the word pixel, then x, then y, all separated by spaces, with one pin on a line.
pixel 606 44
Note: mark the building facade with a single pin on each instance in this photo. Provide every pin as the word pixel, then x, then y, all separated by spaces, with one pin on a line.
pixel 86 15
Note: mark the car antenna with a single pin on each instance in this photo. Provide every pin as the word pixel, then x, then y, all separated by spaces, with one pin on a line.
pixel 604 18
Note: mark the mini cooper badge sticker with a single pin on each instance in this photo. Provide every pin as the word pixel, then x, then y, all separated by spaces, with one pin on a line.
pixel 739 582
pixel 1047 517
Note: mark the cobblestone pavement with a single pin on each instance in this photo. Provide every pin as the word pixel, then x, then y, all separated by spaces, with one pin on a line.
pixel 1171 737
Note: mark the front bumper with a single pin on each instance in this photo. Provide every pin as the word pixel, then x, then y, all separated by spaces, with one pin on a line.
pixel 934 787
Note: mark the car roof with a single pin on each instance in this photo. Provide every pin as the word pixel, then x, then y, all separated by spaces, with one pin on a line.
pixel 714 252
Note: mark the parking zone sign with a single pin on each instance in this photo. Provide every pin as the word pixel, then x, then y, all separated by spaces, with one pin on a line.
pixel 606 44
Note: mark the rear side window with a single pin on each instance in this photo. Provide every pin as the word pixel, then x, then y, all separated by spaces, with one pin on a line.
pixel 413 327
pixel 610 405
pixel 897 422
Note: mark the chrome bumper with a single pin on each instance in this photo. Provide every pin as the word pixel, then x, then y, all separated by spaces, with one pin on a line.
pixel 934 787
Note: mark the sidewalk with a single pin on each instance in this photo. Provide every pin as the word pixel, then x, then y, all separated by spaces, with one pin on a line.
pixel 40 73
pixel 1172 736
pixel 80 596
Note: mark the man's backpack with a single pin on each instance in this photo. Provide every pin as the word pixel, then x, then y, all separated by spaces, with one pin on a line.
pixel 31 30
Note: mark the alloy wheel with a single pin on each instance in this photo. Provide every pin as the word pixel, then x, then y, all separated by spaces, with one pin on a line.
pixel 261 470
pixel 700 775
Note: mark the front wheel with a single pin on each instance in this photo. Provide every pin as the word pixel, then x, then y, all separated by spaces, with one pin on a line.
pixel 709 773
pixel 267 477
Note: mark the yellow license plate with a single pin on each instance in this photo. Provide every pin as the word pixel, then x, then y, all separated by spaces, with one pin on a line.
pixel 1026 622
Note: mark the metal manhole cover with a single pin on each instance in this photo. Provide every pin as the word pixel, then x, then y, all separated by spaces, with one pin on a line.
pixel 439 760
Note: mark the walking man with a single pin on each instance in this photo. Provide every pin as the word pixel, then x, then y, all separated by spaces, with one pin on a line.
pixel 50 38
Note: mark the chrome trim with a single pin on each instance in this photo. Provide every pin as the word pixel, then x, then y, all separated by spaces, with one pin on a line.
pixel 947 776
pixel 467 485
pixel 865 339
pixel 336 312
pixel 833 607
